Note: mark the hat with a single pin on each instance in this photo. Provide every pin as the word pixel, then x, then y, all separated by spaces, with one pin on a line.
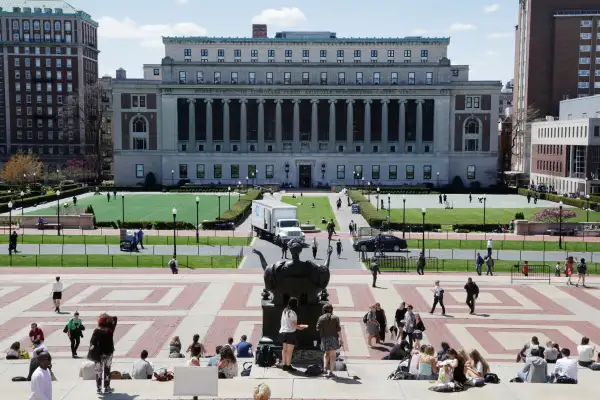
pixel 76 313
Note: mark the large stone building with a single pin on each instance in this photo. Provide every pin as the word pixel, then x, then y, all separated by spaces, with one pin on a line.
pixel 48 51
pixel 305 108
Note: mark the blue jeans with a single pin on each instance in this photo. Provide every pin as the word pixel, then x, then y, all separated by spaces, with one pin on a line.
pixel 523 376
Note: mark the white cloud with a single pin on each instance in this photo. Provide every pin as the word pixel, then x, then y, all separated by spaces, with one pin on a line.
pixel 284 17
pixel 491 53
pixel 182 1
pixel 500 35
pixel 462 27
pixel 491 8
pixel 146 35
pixel 418 32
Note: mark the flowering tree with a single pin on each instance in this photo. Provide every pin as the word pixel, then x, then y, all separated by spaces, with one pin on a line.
pixel 76 170
pixel 21 169
pixel 553 215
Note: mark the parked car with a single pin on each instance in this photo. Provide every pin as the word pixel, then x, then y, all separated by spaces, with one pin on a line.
pixel 388 243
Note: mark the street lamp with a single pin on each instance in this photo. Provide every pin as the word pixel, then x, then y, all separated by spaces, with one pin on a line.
pixel 229 195
pixel 484 201
pixel 174 211
pixel 424 211
pixel 58 211
pixel 560 207
pixel 587 212
pixel 362 183
pixel 377 199
pixel 239 190
pixel 438 180
pixel 172 177
pixel 123 208
pixel 219 215
pixel 246 184
pixel 10 206
pixel 22 211
pixel 197 222
pixel 368 190
pixel 389 208
pixel 403 215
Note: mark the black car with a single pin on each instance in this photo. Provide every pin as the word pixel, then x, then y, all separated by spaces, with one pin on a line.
pixel 388 243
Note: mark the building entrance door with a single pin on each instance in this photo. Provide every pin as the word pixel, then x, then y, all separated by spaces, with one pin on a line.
pixel 305 176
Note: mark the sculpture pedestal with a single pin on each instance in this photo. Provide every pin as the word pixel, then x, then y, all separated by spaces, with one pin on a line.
pixel 307 315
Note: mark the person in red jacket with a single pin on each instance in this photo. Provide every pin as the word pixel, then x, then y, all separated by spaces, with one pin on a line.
pixel 525 270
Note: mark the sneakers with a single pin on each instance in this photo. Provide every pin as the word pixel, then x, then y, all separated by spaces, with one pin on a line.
pixel 108 390
pixel 99 390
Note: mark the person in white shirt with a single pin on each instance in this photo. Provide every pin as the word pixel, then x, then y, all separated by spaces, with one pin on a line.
pixel 489 247
pixel 565 366
pixel 142 368
pixel 289 325
pixel 41 380
pixel 438 297
pixel 57 289
pixel 586 352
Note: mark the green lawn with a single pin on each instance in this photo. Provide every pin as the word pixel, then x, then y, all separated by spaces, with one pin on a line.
pixel 151 207
pixel 503 245
pixel 118 261
pixel 148 240
pixel 313 215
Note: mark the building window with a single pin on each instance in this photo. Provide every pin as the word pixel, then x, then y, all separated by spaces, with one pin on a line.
pixel 217 78
pixel 217 171
pixel 305 53
pixel 234 78
pixel 470 172
pixel 376 78
pixel 187 52
pixel 584 72
pixel 323 53
pixel 391 53
pixel 407 54
pixel 340 53
pixel 359 78
pixel 585 48
pixel 357 53
pixel 253 53
pixel 429 78
pixel 305 78
pixel 341 171
pixel 585 36
pixel 584 60
pixel 393 172
pixel 251 171
pixel 269 172
pixel 410 172
pixel 394 78
pixel 426 172
pixel 139 125
pixel 358 172
pixel 411 78
pixel 472 130
pixel 597 131
pixel 271 53
pixel 287 78
pixel 200 171
pixel 583 85
pixel 341 78
pixel 424 53
pixel 373 53
pixel 252 78
pixel 139 170
pixel 375 172
pixel 182 77
pixel 288 53
pixel 323 78
pixel 269 78
pixel 586 23
pixel 237 53
pixel 221 53
pixel 199 77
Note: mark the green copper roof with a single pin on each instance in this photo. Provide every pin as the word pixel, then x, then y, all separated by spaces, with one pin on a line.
pixel 41 7
pixel 341 40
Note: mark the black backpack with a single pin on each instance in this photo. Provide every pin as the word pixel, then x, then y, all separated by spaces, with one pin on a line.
pixel 265 357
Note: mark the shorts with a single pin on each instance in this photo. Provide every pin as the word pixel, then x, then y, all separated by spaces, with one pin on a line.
pixel 56 295
pixel 418 335
pixel 288 337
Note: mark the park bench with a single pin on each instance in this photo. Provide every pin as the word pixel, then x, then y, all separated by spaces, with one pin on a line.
pixel 47 225
pixel 195 381
pixel 565 232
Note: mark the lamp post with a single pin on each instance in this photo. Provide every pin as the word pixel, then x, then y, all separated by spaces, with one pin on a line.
pixel 389 207
pixel 369 190
pixel 438 180
pixel 229 195
pixel 362 180
pixel 219 215
pixel 34 178
pixel 58 211
pixel 174 211
pixel 22 211
pixel 172 177
pixel 123 208
pixel 423 211
pixel 239 190
pixel 587 212
pixel 560 207
pixel 403 215
pixel 377 199
pixel 246 184
pixel 484 201
pixel 10 206
pixel 197 222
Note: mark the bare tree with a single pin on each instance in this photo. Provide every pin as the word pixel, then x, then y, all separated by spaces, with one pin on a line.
pixel 87 111
pixel 513 136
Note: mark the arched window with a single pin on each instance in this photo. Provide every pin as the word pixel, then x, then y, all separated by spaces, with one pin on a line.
pixel 139 125
pixel 472 126
pixel 472 130
pixel 139 137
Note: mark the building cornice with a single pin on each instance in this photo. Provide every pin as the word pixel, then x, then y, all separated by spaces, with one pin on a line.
pixel 417 40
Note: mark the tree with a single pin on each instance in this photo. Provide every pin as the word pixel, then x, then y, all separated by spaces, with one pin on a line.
pixel 75 170
pixel 553 215
pixel 21 169
pixel 88 110
pixel 513 138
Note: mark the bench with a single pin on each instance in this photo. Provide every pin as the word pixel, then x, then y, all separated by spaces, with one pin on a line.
pixel 195 381
pixel 46 225
pixel 564 232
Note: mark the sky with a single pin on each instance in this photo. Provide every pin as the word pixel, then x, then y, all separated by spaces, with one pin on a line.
pixel 481 31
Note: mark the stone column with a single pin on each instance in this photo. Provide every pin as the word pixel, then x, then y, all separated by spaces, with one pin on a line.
pixel 331 138
pixel 419 134
pixel 296 140
pixel 314 126
pixel 209 125
pixel 261 125
pixel 402 126
pixel 367 137
pixel 226 140
pixel 243 126
pixel 278 126
pixel 384 125
pixel 192 121
pixel 350 126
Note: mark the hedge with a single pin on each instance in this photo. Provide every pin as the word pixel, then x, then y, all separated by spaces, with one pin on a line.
pixel 162 225
pixel 393 189
pixel 36 200
pixel 367 210
pixel 555 198
pixel 475 227
pixel 237 212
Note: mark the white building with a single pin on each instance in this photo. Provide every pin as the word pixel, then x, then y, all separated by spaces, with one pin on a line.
pixel 305 108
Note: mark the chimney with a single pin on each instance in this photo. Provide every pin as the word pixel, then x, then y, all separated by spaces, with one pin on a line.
pixel 259 30
pixel 121 74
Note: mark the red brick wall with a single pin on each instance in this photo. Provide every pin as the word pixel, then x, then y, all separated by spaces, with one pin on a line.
pixel 547 159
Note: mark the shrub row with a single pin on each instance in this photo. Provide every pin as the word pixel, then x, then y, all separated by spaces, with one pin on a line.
pixel 162 225
pixel 393 189
pixel 475 227
pixel 555 198
pixel 239 210
pixel 32 201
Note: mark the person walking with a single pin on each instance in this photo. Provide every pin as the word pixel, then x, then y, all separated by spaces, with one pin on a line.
pixel 14 236
pixel 338 248
pixel 101 351
pixel 472 293
pixel 57 289
pixel 438 298
pixel 315 247
pixel 74 330
pixel 581 272
pixel 370 319
pixel 329 328
pixel 351 228
pixel 375 270
pixel 489 262
pixel 140 238
pixel 284 249
pixel 382 320
pixel 421 264
pixel 470 198
pixel 108 196
pixel 289 326
pixel 173 265
pixel 478 263
pixel 440 198
pixel 489 247
pixel 569 264
pixel 409 326
pixel 41 379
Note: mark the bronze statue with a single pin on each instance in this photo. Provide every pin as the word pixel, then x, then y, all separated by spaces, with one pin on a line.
pixel 303 279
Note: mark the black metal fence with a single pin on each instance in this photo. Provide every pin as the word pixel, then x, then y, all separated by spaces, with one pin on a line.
pixel 539 273
pixel 402 263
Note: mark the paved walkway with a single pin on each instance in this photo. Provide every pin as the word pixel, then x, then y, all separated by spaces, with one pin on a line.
pixel 162 250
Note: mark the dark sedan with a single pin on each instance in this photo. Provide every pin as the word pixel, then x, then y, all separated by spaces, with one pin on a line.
pixel 387 243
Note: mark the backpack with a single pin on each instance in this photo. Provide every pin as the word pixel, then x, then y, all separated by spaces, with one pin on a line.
pixel 115 375
pixel 365 318
pixel 399 375
pixel 581 268
pixel 172 264
pixel 246 369
pixel 491 378
pixel 264 356
pixel 313 370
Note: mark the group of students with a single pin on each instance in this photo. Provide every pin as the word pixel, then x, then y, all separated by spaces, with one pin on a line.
pixel 569 268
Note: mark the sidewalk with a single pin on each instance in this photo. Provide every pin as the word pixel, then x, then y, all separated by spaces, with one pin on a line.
pixel 344 215
pixel 101 249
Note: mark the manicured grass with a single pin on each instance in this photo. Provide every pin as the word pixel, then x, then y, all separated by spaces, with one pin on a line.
pixel 313 215
pixel 118 261
pixel 503 245
pixel 150 207
pixel 148 240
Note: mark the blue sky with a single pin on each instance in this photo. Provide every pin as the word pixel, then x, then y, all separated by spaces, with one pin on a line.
pixel 482 32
